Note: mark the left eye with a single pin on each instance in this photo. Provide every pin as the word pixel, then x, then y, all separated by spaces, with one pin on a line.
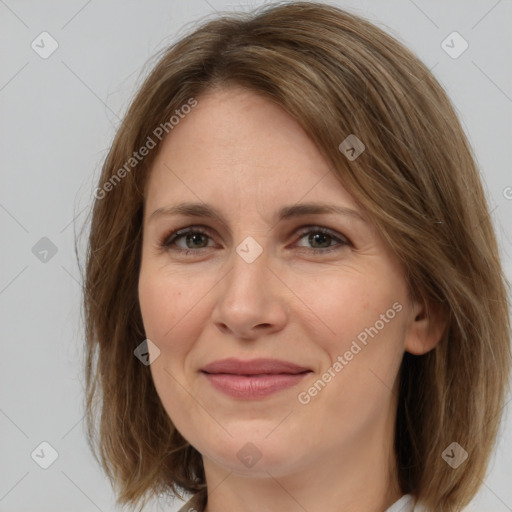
pixel 193 239
pixel 323 239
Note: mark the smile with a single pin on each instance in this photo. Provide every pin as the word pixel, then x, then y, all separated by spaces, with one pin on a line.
pixel 253 378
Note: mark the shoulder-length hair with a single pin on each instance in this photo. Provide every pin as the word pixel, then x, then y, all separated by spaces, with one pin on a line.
pixel 338 75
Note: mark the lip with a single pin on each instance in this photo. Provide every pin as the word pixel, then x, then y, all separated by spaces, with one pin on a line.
pixel 256 378
pixel 259 366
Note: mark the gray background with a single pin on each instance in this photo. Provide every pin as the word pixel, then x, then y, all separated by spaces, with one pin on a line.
pixel 58 116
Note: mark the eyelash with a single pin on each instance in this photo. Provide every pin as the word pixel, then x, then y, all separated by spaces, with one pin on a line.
pixel 167 241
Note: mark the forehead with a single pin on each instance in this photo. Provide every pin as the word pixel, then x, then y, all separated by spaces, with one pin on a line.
pixel 238 147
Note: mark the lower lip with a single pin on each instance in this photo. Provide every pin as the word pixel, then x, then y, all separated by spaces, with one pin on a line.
pixel 253 386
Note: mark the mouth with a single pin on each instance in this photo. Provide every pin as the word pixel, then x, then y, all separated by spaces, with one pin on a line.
pixel 259 366
pixel 257 378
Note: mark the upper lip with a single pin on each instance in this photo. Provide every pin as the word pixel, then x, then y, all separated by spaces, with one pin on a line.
pixel 253 367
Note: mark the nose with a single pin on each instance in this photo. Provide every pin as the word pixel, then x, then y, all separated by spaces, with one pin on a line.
pixel 251 300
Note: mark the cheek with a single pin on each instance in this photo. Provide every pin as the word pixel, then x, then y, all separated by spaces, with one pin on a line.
pixel 362 349
pixel 155 299
pixel 170 317
pixel 174 309
pixel 343 304
pixel 361 319
pixel 165 303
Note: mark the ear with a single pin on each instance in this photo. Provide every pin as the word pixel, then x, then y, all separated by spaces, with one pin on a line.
pixel 426 328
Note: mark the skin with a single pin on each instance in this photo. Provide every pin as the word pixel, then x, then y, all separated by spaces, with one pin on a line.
pixel 246 157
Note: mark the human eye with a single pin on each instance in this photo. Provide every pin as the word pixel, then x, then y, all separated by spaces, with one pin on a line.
pixel 186 240
pixel 196 239
pixel 323 239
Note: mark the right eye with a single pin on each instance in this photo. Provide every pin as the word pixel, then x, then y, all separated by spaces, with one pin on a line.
pixel 192 237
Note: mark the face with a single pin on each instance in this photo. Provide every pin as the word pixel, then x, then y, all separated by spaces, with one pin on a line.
pixel 315 289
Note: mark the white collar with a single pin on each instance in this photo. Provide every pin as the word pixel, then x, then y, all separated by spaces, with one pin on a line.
pixel 404 504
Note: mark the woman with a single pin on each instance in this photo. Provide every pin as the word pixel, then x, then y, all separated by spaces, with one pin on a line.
pixel 294 299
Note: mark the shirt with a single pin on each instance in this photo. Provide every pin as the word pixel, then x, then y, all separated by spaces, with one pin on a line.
pixel 404 504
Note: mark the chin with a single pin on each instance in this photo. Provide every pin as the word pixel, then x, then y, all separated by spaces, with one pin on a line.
pixel 251 455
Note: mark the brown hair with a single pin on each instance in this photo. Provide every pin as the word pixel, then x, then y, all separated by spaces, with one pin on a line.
pixel 337 74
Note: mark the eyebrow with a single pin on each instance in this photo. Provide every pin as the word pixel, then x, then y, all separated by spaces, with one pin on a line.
pixel 285 213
